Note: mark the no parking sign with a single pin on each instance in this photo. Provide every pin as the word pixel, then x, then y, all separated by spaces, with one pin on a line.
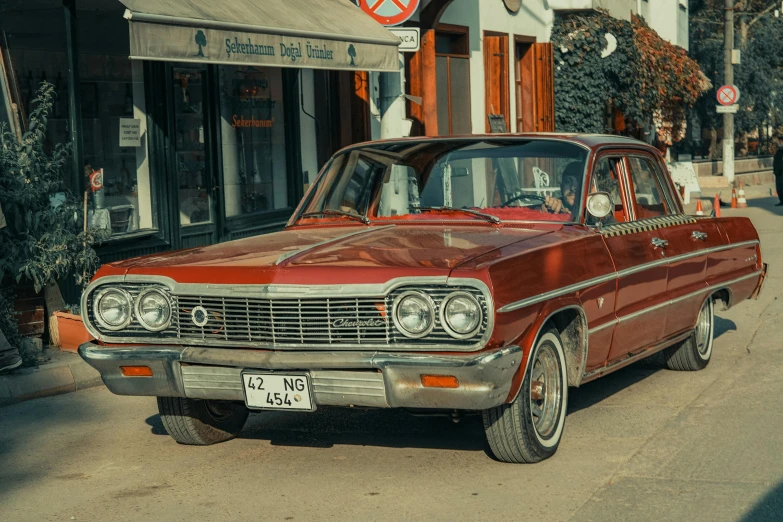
pixel 390 12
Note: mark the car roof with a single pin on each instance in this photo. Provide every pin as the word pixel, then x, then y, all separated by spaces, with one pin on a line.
pixel 591 141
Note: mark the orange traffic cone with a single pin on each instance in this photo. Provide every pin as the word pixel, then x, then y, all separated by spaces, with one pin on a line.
pixel 733 198
pixel 716 205
pixel 699 209
pixel 741 201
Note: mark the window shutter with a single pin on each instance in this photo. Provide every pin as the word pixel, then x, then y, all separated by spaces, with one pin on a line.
pixel 545 87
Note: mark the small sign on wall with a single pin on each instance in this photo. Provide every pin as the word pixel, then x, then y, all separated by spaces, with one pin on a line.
pixel 130 132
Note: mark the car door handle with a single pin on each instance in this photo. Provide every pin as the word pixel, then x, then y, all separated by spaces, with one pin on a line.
pixel 702 236
pixel 660 243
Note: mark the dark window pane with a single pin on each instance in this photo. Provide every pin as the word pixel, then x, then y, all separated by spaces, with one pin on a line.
pixel 442 79
pixel 460 96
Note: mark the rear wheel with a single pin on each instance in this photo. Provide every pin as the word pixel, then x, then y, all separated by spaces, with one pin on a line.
pixel 529 429
pixel 201 422
pixel 695 352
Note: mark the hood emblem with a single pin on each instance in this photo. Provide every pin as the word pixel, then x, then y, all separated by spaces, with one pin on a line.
pixel 200 316
pixel 358 323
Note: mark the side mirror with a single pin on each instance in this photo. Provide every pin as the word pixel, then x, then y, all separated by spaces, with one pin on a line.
pixel 599 205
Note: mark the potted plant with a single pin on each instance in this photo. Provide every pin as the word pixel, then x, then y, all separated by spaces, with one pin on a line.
pixel 67 329
pixel 46 238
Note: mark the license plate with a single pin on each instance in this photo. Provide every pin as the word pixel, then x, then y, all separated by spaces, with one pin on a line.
pixel 278 391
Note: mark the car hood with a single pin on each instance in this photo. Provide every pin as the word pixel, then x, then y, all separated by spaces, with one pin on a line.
pixel 333 255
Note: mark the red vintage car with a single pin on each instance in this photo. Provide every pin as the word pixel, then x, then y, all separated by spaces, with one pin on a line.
pixel 482 274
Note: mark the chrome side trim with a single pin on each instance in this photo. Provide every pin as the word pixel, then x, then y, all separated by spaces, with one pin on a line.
pixel 706 289
pixel 293 253
pixel 618 275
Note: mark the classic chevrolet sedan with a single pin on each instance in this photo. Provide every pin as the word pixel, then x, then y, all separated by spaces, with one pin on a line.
pixel 450 275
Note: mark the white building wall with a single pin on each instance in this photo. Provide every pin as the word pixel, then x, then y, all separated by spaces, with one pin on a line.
pixel 533 19
pixel 667 18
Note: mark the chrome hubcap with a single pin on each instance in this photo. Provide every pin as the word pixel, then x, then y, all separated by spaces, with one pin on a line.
pixel 704 329
pixel 545 390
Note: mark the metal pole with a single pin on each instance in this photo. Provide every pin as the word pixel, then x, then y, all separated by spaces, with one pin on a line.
pixel 74 97
pixel 392 102
pixel 728 118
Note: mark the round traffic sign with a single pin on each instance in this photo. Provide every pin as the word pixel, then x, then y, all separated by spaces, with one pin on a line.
pixel 728 95
pixel 390 12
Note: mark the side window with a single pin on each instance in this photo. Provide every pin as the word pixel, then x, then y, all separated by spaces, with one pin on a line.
pixel 647 188
pixel 606 178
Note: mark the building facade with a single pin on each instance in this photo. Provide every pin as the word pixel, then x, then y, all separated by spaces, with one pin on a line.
pixel 209 126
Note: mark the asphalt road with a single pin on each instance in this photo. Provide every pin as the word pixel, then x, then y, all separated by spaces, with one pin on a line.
pixel 642 444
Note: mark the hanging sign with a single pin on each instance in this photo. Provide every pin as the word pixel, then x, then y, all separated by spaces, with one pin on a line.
pixel 728 95
pixel 390 12
pixel 410 38
pixel 96 180
pixel 130 132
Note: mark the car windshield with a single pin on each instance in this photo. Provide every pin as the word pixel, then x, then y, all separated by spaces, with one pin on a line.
pixel 482 180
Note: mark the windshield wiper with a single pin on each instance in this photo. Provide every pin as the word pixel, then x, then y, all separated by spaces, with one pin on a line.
pixel 331 212
pixel 488 217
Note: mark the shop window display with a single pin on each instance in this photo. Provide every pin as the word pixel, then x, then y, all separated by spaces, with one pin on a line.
pixel 253 140
pixel 111 89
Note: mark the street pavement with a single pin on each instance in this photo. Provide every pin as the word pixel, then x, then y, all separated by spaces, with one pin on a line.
pixel 641 444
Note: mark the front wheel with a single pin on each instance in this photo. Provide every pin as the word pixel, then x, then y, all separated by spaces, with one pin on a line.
pixel 529 429
pixel 695 352
pixel 201 422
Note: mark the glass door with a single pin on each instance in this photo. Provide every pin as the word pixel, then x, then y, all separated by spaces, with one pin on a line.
pixel 195 204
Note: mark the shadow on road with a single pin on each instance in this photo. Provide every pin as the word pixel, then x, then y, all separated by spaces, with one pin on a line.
pixel 723 326
pixel 768 509
pixel 328 427
pixel 594 392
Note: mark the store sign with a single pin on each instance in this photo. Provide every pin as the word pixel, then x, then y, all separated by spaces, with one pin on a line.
pixel 410 38
pixel 130 132
pixel 239 121
pixel 187 44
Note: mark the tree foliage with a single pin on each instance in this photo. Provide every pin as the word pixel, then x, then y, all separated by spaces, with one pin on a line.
pixel 759 76
pixel 644 77
pixel 44 239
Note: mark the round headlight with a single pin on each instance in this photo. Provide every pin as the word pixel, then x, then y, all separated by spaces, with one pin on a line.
pixel 414 314
pixel 113 308
pixel 153 310
pixel 461 315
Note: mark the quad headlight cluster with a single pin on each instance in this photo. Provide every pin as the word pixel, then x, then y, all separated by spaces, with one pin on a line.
pixel 114 309
pixel 413 314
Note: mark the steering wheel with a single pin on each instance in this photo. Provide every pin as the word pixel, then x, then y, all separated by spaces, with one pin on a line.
pixel 542 199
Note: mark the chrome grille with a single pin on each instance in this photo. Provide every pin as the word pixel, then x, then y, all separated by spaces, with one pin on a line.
pixel 295 323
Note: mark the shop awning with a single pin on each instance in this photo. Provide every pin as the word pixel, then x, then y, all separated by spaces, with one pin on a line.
pixel 318 34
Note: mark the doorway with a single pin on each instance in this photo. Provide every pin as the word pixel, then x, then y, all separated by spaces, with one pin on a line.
pixel 191 142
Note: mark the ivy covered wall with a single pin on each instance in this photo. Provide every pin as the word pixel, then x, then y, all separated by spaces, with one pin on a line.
pixel 603 64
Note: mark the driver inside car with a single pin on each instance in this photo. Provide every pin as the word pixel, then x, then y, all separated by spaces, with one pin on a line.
pixel 568 190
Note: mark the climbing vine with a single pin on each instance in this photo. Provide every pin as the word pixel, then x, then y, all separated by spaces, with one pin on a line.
pixel 604 65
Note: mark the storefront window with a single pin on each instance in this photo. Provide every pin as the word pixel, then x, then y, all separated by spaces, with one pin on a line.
pixel 113 105
pixel 253 137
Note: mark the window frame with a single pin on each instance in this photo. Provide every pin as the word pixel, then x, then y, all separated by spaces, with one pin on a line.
pixel 670 208
pixel 464 32
pixel 622 178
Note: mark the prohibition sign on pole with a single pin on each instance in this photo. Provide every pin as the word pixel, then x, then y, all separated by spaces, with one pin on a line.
pixel 728 95
pixel 389 12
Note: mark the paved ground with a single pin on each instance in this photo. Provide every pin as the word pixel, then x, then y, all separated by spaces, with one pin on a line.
pixel 642 444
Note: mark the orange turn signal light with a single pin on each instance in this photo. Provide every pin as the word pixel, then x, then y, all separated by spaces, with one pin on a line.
pixel 439 381
pixel 136 371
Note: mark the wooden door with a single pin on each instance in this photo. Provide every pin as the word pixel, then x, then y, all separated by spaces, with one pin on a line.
pixel 496 95
pixel 535 83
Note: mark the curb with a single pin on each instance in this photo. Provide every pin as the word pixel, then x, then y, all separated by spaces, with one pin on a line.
pixel 46 380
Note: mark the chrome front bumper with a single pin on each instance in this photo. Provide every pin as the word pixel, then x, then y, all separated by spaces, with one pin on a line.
pixel 369 379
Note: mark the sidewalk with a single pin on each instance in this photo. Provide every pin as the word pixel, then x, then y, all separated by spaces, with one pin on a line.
pixel 756 192
pixel 64 372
